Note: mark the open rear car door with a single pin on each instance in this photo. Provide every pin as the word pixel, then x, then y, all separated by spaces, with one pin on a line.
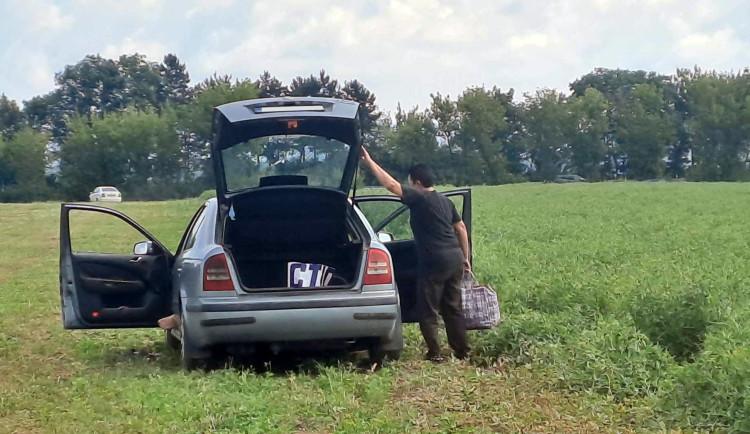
pixel 111 290
pixel 390 219
pixel 285 141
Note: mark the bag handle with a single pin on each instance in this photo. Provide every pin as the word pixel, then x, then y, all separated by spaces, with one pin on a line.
pixel 473 277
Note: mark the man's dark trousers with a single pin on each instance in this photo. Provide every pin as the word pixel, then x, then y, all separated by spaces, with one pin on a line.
pixel 439 291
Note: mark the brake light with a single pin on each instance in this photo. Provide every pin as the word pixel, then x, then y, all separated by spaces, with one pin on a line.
pixel 378 268
pixel 216 275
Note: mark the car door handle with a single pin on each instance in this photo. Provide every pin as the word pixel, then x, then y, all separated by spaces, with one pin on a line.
pixel 135 260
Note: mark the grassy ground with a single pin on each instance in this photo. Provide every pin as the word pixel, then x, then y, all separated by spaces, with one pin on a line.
pixel 584 272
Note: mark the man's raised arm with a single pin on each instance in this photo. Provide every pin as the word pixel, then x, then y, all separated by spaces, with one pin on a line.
pixel 381 175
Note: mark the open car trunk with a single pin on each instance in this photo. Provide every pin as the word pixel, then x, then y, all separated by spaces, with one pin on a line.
pixel 267 229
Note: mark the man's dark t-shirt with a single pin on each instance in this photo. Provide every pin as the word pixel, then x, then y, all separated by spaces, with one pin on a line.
pixel 432 218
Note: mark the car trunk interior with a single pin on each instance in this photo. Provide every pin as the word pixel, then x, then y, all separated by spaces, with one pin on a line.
pixel 267 228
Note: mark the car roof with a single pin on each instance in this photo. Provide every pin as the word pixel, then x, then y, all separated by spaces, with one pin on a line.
pixel 248 110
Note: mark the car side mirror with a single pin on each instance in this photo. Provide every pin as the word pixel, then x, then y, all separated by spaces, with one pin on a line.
pixel 143 248
pixel 385 237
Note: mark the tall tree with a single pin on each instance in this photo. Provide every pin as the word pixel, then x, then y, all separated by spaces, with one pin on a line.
pixel 7 178
pixel 94 85
pixel 174 86
pixel 482 115
pixel 549 128
pixel 141 82
pixel 616 84
pixel 369 114
pixel 591 123
pixel 645 130
pixel 720 125
pixel 270 86
pixel 678 160
pixel 214 80
pixel 322 85
pixel 46 113
pixel 412 140
pixel 195 120
pixel 22 166
pixel 11 117
pixel 444 114
pixel 138 152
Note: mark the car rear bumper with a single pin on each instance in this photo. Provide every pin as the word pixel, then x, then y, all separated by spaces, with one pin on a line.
pixel 237 320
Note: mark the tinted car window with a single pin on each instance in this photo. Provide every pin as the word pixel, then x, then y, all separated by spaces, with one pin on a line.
pixel 190 241
pixel 321 161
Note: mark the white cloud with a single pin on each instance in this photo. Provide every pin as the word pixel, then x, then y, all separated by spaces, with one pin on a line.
pixel 133 44
pixel 719 45
pixel 202 6
pixel 44 15
pixel 401 49
pixel 531 41
pixel 39 74
pixel 151 4
pixel 27 73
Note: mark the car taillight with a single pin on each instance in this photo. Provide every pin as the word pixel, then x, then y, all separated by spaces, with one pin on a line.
pixel 378 268
pixel 216 275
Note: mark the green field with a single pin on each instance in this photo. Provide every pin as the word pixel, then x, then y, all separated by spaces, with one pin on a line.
pixel 626 309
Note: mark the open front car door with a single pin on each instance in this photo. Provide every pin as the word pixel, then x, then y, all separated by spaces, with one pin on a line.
pixel 390 220
pixel 113 273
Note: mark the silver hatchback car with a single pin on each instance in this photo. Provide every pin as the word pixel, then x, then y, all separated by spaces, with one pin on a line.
pixel 282 259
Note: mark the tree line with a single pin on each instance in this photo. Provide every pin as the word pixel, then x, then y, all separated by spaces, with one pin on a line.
pixel 142 127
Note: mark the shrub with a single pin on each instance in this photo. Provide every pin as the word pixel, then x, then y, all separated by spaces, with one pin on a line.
pixel 675 320
pixel 515 337
pixel 22 194
pixel 714 392
pixel 611 358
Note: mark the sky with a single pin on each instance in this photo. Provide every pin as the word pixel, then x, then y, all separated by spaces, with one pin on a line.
pixel 402 50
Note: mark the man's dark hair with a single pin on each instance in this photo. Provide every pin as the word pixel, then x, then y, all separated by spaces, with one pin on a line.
pixel 423 174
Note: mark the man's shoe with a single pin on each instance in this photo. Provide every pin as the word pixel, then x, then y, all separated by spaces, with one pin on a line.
pixel 462 356
pixel 434 358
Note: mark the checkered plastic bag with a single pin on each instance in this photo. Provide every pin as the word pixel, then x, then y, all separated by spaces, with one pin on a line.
pixel 480 305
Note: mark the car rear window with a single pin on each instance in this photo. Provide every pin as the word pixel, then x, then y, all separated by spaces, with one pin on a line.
pixel 320 160
pixel 109 189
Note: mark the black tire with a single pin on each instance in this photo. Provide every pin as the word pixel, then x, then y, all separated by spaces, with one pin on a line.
pixel 378 355
pixel 188 358
pixel 171 341
pixel 393 355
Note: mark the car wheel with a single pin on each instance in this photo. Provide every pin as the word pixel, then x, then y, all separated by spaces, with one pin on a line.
pixel 188 357
pixel 171 341
pixel 378 355
pixel 393 355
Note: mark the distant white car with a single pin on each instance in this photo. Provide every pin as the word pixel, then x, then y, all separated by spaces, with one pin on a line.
pixel 105 194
